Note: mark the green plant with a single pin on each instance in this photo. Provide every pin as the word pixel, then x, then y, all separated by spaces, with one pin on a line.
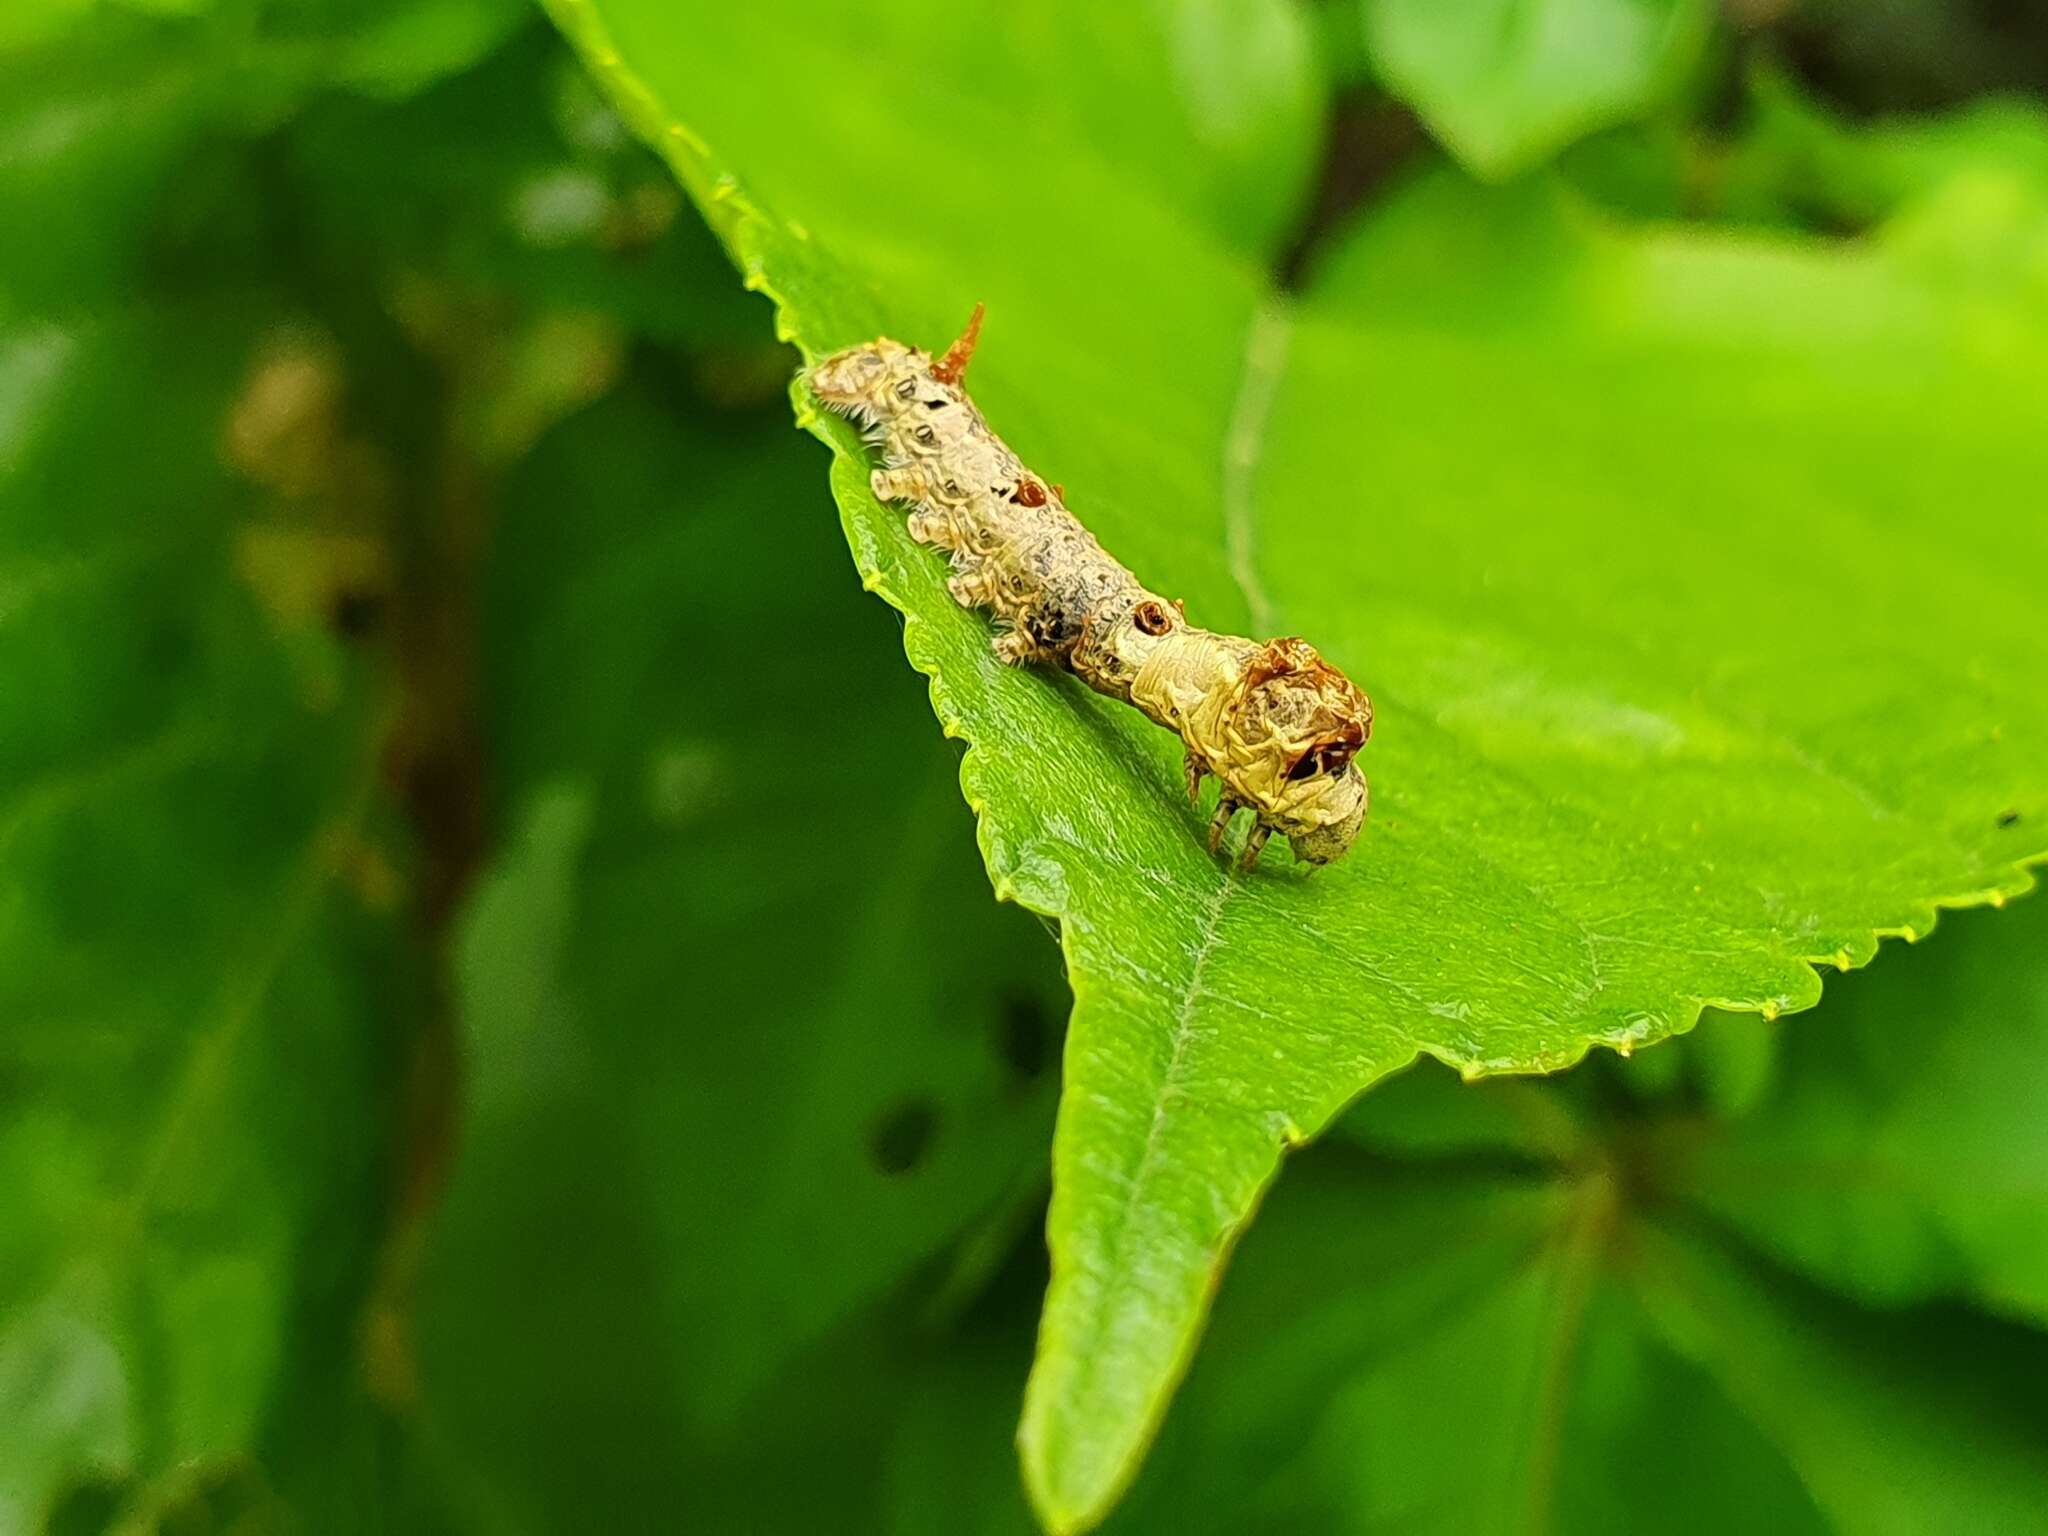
pixel 503 1029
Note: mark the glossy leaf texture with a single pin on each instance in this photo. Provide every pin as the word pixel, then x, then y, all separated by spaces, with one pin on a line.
pixel 733 1094
pixel 1701 653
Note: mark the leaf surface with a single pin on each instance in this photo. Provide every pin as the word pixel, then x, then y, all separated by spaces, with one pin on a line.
pixel 1692 577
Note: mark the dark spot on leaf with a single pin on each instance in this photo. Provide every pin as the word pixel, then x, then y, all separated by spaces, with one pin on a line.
pixel 2008 818
pixel 169 645
pixel 87 1509
pixel 355 614
pixel 903 1136
pixel 1024 1034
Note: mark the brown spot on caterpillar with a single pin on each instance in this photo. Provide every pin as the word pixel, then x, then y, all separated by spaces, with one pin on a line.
pixel 1281 658
pixel 952 368
pixel 1029 493
pixel 1151 617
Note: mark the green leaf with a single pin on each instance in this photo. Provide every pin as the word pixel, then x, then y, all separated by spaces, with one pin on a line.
pixel 1489 1331
pixel 748 1042
pixel 203 977
pixel 1692 576
pixel 1507 83
pixel 1903 1154
pixel 1441 1351
pixel 117 132
pixel 1444 1348
pixel 516 181
pixel 1893 1425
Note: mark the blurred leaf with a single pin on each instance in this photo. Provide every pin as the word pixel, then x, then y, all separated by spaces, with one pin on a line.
pixel 1437 1352
pixel 203 977
pixel 1542 485
pixel 1796 157
pixel 107 132
pixel 1904 1154
pixel 516 179
pixel 1893 1424
pixel 1789 161
pixel 748 1041
pixel 29 22
pixel 1436 1349
pixel 394 47
pixel 1428 1112
pixel 1911 55
pixel 1507 83
pixel 91 131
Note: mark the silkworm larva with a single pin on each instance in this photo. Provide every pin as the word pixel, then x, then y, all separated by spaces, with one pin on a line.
pixel 1277 725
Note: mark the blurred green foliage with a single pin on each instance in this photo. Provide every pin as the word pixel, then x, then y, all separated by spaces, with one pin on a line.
pixel 502 1023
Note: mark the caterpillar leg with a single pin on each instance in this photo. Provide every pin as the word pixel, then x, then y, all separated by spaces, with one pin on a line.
pixel 1015 649
pixel 931 528
pixel 970 588
pixel 1196 773
pixel 905 484
pixel 1226 808
pixel 1254 845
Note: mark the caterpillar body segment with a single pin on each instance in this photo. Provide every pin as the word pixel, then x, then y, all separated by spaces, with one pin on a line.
pixel 1274 723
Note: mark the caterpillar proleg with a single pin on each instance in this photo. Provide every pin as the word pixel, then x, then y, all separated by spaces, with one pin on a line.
pixel 1276 725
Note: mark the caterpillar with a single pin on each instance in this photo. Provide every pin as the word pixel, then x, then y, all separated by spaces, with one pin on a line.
pixel 1273 722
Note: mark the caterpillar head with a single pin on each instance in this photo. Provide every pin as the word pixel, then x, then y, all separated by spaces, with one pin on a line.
pixel 1290 733
pixel 867 382
pixel 883 381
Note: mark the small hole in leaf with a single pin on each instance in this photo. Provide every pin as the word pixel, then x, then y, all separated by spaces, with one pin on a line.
pixel 2008 818
pixel 1023 1034
pixel 355 614
pixel 903 1137
pixel 87 1508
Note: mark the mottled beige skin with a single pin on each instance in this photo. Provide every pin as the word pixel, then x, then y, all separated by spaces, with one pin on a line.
pixel 1274 722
